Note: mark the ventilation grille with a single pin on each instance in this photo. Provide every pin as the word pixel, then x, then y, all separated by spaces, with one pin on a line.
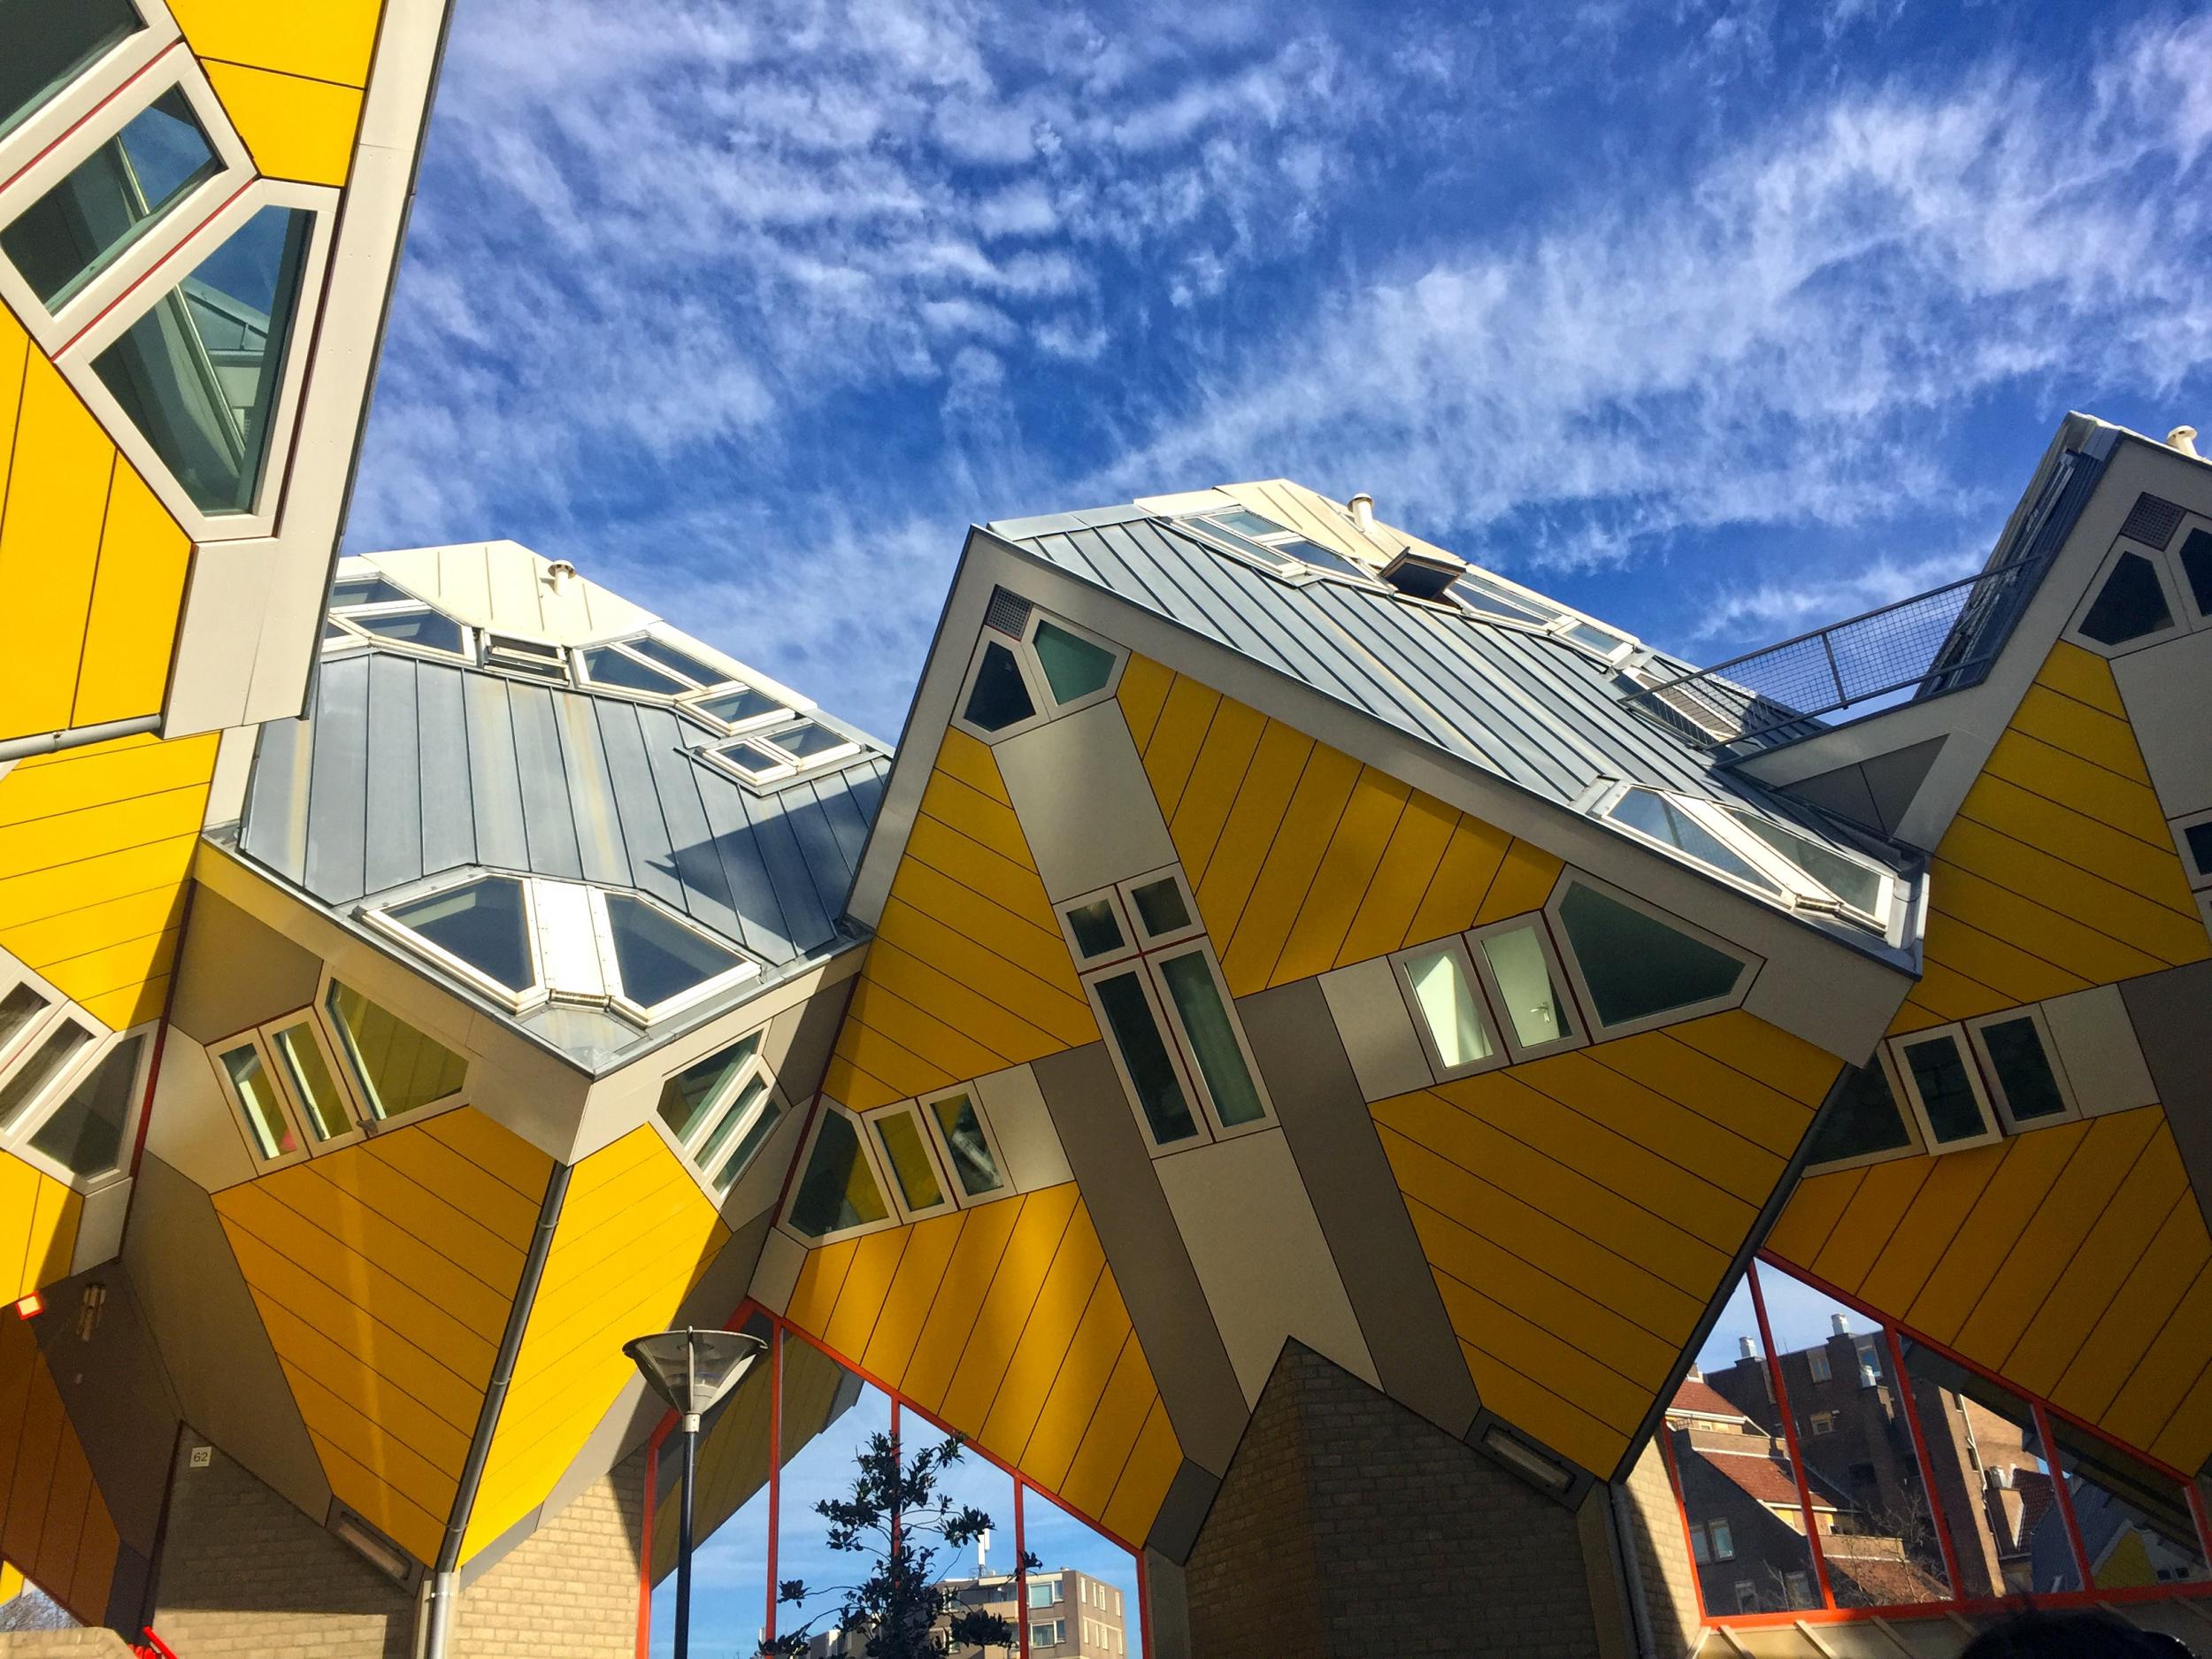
pixel 1008 614
pixel 2152 522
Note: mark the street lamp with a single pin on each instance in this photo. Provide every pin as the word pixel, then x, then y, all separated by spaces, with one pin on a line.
pixel 691 1369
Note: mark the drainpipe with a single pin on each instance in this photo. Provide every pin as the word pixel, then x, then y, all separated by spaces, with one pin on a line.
pixel 77 736
pixel 434 1615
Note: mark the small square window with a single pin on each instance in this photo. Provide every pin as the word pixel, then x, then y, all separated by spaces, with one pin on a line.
pixel 1096 927
pixel 968 1144
pixel 2026 1082
pixel 1817 1364
pixel 741 707
pixel 1522 972
pixel 1824 1423
pixel 1747 1596
pixel 1945 1089
pixel 907 1156
pixel 1723 1540
pixel 1160 907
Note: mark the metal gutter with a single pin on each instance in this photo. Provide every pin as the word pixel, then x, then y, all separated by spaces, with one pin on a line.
pixel 76 737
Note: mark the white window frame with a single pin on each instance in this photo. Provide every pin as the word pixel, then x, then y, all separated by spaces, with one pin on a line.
pixel 1046 708
pixel 378 917
pixel 1748 971
pixel 1723 1541
pixel 351 619
pixel 1747 1595
pixel 1916 1144
pixel 16 1135
pixel 2171 581
pixel 1816 1365
pixel 173 67
pixel 893 1191
pixel 681 686
pixel 178 261
pixel 357 1086
pixel 251 1037
pixel 695 704
pixel 1287 567
pixel 961 1198
pixel 1993 1128
pixel 2180 827
pixel 868 1153
pixel 762 735
pixel 1155 965
pixel 355 1108
pixel 755 1068
pixel 45 124
pixel 1401 966
pixel 1570 988
pixel 1995 1084
pixel 13 973
pixel 506 652
pixel 2197 614
pixel 744 968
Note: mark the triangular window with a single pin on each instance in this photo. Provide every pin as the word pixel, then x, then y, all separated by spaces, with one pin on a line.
pixel 2131 605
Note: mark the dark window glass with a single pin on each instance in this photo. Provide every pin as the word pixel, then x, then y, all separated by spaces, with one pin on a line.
pixel 84 1135
pixel 1635 965
pixel 415 627
pixel 760 1114
pixel 1152 1074
pixel 1947 1092
pixel 683 662
pixel 1206 1022
pixel 44 43
pixel 2023 1070
pixel 1000 696
pixel 972 1159
pixel 199 374
pixel 1865 1117
pixel 77 229
pixel 807 740
pixel 399 1068
pixel 1490 598
pixel 2199 839
pixel 366 590
pixel 44 1064
pixel 482 923
pixel 1073 667
pixel 2131 604
pixel 688 1096
pixel 838 1189
pixel 2196 564
pixel 1160 907
pixel 2135 1523
pixel 658 955
pixel 17 1009
pixel 1097 928
pixel 734 708
pixel 609 667
pixel 1247 523
pixel 751 758
pixel 1314 553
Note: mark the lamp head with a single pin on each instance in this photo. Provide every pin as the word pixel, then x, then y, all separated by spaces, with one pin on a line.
pixel 691 1369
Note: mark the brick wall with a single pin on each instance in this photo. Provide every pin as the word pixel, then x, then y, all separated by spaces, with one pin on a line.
pixel 570 1587
pixel 242 1571
pixel 1346 1520
pixel 63 1644
pixel 1652 1524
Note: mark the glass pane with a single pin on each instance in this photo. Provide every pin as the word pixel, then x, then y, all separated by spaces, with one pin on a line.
pixel 199 374
pixel 659 956
pixel 2136 1529
pixel 687 1097
pixel 972 1159
pixel 1313 553
pixel 807 740
pixel 1534 999
pixel 1601 641
pixel 41 1067
pixel 1190 982
pixel 2196 564
pixel 84 1135
pixel 683 662
pixel 729 1517
pixel 750 758
pixel 1486 595
pixel 1865 1117
pixel 734 708
pixel 837 1416
pixel 1656 816
pixel 1856 883
pixel 1097 929
pixel 909 1161
pixel 2023 1070
pixel 757 1113
pixel 399 1068
pixel 1635 965
pixel 78 227
pixel 1738 1490
pixel 1151 1073
pixel 484 923
pixel 1246 523
pixel 609 667
pixel 17 1009
pixel 1446 1001
pixel 1000 696
pixel 45 44
pixel 838 1189
pixel 424 628
pixel 266 1117
pixel 1073 667
pixel 366 590
pixel 1084 1582
pixel 2131 604
pixel 1946 1093
pixel 1160 907
pixel 2199 837
pixel 301 1058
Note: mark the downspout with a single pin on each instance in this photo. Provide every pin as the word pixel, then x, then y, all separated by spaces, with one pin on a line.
pixel 434 1615
pixel 77 737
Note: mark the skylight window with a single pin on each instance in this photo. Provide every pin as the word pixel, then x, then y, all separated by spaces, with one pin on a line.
pixel 377 608
pixel 538 658
pixel 484 924
pixel 1778 863
pixel 1274 548
pixel 780 753
pixel 659 958
pixel 678 661
pixel 742 707
pixel 610 665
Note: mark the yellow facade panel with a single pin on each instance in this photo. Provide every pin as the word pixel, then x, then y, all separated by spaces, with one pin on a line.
pixel 1461 881
pixel 2105 740
pixel 1025 938
pixel 1531 1406
pixel 1248 830
pixel 375 1473
pixel 979 817
pixel 1287 873
pixel 1485 1322
pixel 913 1292
pixel 1733 1068
pixel 49 545
pixel 2084 676
pixel 493 1147
pixel 364 1489
pixel 1391 896
pixel 2031 1166
pixel 975 866
pixel 1067 1291
pixel 1084 1370
pixel 15 350
pixel 1955 1182
pixel 996 1027
pixel 867 1284
pixel 2147 1294
pixel 458 1235
pixel 435 1422
pixel 960 1294
pixel 2169 1368
pixel 1523 881
pixel 1203 809
pixel 1352 861
pixel 1861 1231
pixel 1171 750
pixel 1815 1204
pixel 1145 1477
pixel 38 1228
pixel 842 1080
pixel 1977 972
pixel 1141 694
pixel 1111 1434
pixel 1055 1005
pixel 941 1046
pixel 1656 1122
pixel 351 1232
pixel 333 40
pixel 1003 1313
pixel 2187 1436
pixel 137 592
pixel 40 895
pixel 2041 769
pixel 55 1528
pixel 2075 837
pixel 2079 947
pixel 963 757
pixel 821 1279
pixel 2170 932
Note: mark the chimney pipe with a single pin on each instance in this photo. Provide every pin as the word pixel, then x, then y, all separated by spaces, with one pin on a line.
pixel 1745 1348
pixel 560 572
pixel 1362 506
pixel 2181 438
pixel 1841 1321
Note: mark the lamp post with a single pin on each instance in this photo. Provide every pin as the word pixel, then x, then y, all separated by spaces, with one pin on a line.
pixel 691 1369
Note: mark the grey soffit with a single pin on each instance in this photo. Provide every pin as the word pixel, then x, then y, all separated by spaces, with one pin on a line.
pixel 405 769
pixel 1529 708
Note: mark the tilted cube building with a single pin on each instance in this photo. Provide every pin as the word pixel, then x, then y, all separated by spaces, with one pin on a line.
pixel 1294 1058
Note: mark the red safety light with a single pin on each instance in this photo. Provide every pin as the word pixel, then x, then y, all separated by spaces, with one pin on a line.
pixel 30 1307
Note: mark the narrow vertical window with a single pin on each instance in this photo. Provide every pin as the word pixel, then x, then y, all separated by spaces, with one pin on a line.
pixel 35 1073
pixel 907 1153
pixel 1144 1057
pixel 1452 1015
pixel 1198 1004
pixel 1946 1090
pixel 972 1163
pixel 267 1123
pixel 1536 1003
pixel 839 1188
pixel 312 1082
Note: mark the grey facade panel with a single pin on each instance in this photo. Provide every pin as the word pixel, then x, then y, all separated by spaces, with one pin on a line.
pixel 494 788
pixel 690 842
pixel 766 932
pixel 275 831
pixel 805 912
pixel 336 807
pixel 442 756
pixel 638 803
pixel 393 849
pixel 548 828
pixel 599 843
pixel 2170 1012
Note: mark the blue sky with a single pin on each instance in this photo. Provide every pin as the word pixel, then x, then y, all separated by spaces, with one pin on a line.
pixel 1717 317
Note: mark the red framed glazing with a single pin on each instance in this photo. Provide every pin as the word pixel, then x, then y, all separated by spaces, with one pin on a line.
pixel 782 1331
pixel 2044 1416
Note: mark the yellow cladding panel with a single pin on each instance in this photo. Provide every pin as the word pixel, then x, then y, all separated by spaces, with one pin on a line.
pixel 54 1524
pixel 2064 1260
pixel 968 973
pixel 635 1234
pixel 1004 1322
pixel 58 483
pixel 38 1228
pixel 1579 1211
pixel 296 129
pixel 332 40
pixel 384 1273
pixel 136 594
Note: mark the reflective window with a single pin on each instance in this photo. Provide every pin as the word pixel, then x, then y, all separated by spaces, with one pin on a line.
pixel 308 1074
pixel 1858 885
pixel 367 590
pixel 1160 907
pixel 1458 1029
pixel 1654 815
pixel 1198 1004
pixel 1000 695
pixel 2131 604
pixel 682 662
pixel 808 739
pixel 1864 1119
pixel 397 1067
pixel 1247 523
pixel 1637 966
pixel 1096 927
pixel 752 1118
pixel 2027 1084
pixel 40 1067
pixel 1073 666
pixel 690 1097
pixel 907 1153
pixel 45 43
pixel 838 1189
pixel 1943 1081
pixel 972 1163
pixel 608 666
pixel 255 1090
pixel 2136 1528
pixel 1479 592
pixel 659 956
pixel 84 1135
pixel 734 708
pixel 2196 565
pixel 1144 1055
pixel 77 229
pixel 1536 1003
pixel 428 629
pixel 483 923
pixel 17 1009
pixel 200 372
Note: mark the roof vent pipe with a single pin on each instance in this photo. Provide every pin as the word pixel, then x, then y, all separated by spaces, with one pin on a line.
pixel 1842 1323
pixel 2181 438
pixel 560 572
pixel 1362 506
pixel 1745 1348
